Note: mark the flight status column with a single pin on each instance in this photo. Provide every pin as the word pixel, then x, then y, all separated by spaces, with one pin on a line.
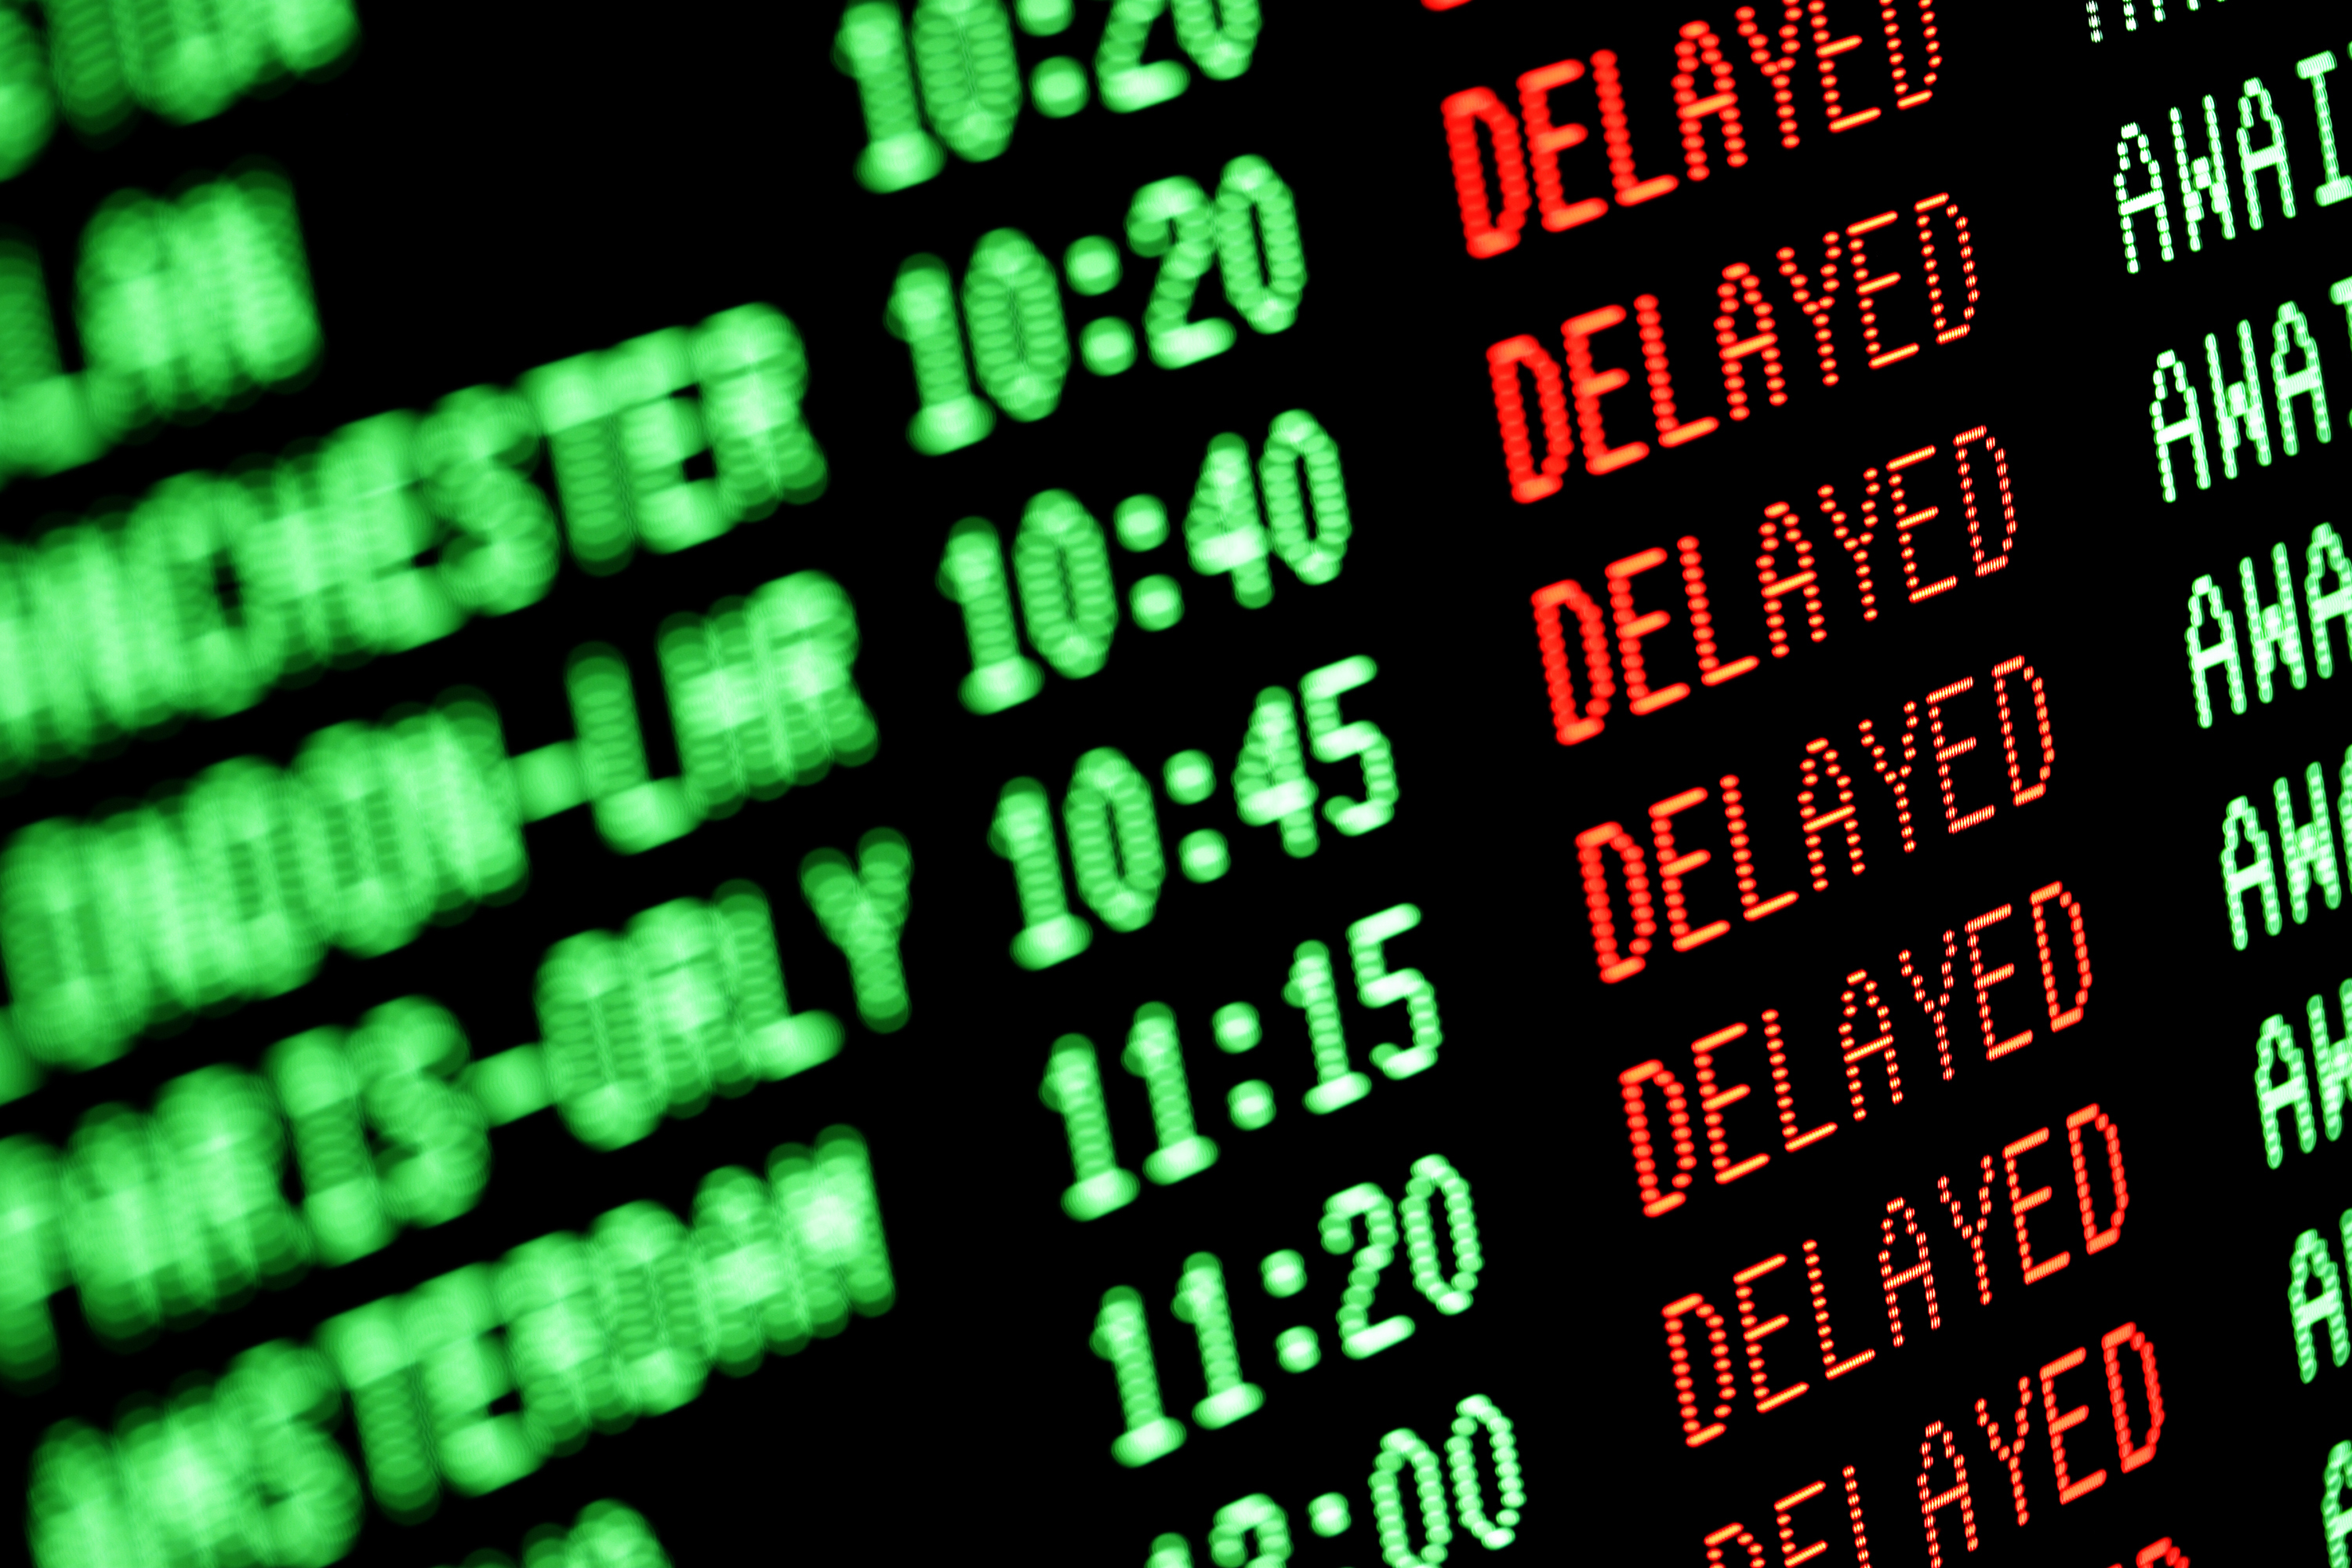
pixel 1176 782
pixel 1906 1226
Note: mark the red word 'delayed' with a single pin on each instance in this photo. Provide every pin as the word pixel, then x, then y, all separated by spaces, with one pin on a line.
pixel 1846 268
pixel 1828 812
pixel 1784 1511
pixel 1621 644
pixel 2134 1394
pixel 2124 1351
pixel 1866 1034
pixel 1905 1264
pixel 1526 149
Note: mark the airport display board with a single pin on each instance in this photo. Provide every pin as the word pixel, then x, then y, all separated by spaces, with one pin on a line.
pixel 1176 782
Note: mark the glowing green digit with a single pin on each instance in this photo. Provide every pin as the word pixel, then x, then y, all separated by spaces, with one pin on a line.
pixel 1376 987
pixel 1258 248
pixel 1126 83
pixel 1200 1300
pixel 1313 992
pixel 1174 219
pixel 1358 1335
pixel 1221 530
pixel 972 82
pixel 1334 741
pixel 1023 834
pixel 872 47
pixel 1222 48
pixel 1399 1448
pixel 1255 1515
pixel 1462 1458
pixel 1155 1055
pixel 1114 830
pixel 973 575
pixel 1012 308
pixel 1068 601
pixel 1073 1091
pixel 1123 1337
pixel 922 315
pixel 1270 781
pixel 1432 1174
pixel 1305 496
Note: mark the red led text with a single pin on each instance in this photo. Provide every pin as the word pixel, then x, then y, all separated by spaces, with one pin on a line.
pixel 2135 1404
pixel 1947 1506
pixel 1525 150
pixel 1906 1273
pixel 1866 1044
pixel 1785 1512
pixel 1746 328
pixel 1616 869
pixel 1797 552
